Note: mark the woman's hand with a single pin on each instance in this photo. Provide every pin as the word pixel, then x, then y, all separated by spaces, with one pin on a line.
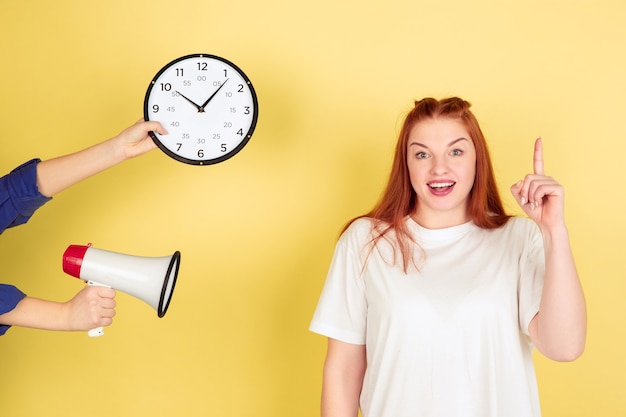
pixel 135 140
pixel 541 197
pixel 93 306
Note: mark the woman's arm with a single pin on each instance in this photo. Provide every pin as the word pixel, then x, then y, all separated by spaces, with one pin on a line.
pixel 344 369
pixel 93 306
pixel 559 329
pixel 55 175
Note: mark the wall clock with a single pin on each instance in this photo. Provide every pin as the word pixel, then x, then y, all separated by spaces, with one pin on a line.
pixel 207 105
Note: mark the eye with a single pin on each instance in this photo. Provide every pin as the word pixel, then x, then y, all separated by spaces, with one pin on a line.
pixel 421 155
pixel 456 152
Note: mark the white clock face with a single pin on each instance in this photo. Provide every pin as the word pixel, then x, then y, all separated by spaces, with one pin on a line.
pixel 207 105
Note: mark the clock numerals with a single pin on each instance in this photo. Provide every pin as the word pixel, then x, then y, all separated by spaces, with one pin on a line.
pixel 223 147
pixel 156 108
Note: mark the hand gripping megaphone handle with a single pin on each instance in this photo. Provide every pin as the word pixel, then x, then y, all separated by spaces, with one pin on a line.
pixel 98 331
pixel 151 279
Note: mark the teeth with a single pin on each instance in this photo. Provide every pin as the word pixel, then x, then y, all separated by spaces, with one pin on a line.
pixel 441 184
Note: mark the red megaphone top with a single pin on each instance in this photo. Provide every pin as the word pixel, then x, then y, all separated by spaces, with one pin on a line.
pixel 73 259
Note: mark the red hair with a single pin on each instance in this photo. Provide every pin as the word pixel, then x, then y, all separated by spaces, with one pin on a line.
pixel 399 199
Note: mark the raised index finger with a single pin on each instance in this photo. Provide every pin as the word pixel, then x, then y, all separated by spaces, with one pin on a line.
pixel 538 158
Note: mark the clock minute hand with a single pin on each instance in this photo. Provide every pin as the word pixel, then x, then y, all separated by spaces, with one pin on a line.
pixel 201 109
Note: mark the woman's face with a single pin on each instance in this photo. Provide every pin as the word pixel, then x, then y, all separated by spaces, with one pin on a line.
pixel 441 160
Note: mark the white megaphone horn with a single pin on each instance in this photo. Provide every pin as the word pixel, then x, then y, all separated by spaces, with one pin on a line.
pixel 149 279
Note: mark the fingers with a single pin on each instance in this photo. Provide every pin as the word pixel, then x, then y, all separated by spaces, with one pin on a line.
pixel 532 190
pixel 136 140
pixel 538 158
pixel 106 302
pixel 101 305
pixel 521 193
pixel 104 292
pixel 540 196
pixel 141 128
pixel 152 126
pixel 156 127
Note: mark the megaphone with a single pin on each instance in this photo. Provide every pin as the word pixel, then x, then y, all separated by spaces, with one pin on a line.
pixel 148 278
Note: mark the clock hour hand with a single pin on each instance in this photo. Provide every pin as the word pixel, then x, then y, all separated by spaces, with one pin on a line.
pixel 201 109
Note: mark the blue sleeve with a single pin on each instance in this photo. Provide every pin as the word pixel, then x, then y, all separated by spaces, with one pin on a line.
pixel 9 297
pixel 19 198
pixel 19 195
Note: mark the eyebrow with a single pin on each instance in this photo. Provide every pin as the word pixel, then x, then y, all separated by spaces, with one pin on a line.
pixel 449 144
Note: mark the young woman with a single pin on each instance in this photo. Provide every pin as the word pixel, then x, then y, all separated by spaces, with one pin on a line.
pixel 31 185
pixel 435 298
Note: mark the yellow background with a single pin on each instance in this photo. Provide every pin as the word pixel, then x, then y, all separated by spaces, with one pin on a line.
pixel 257 231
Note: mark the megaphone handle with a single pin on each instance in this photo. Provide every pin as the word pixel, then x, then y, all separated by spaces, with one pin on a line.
pixel 98 331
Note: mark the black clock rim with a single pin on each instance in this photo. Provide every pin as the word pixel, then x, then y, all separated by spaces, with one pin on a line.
pixel 202 162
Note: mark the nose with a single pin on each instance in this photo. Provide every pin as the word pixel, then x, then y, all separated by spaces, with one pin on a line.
pixel 439 165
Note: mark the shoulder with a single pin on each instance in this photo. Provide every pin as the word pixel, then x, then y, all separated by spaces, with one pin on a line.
pixel 518 224
pixel 358 231
pixel 522 230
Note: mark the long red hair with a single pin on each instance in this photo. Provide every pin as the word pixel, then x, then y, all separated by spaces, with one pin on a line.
pixel 399 199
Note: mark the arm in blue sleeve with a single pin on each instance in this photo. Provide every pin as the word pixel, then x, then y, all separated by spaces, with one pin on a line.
pixel 19 196
pixel 9 297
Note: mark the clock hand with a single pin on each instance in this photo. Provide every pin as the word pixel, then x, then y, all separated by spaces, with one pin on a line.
pixel 201 108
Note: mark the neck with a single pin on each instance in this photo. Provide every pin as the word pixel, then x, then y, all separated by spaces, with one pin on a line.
pixel 440 220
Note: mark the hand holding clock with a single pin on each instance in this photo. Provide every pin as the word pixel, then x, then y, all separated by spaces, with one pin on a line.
pixel 135 140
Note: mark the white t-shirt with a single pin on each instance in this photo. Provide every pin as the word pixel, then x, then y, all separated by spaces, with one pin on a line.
pixel 450 340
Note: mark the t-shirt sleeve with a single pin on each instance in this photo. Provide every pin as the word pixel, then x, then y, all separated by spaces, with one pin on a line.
pixel 532 267
pixel 9 297
pixel 19 195
pixel 342 307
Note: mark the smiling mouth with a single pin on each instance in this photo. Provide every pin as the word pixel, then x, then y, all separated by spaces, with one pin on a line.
pixel 441 185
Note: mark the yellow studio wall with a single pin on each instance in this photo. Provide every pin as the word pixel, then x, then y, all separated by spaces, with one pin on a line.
pixel 257 232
